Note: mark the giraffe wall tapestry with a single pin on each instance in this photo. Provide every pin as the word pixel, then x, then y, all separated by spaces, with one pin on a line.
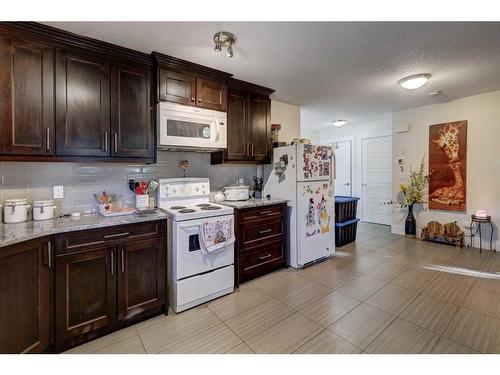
pixel 448 166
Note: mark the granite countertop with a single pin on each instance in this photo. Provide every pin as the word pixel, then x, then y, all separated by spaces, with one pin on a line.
pixel 19 232
pixel 250 203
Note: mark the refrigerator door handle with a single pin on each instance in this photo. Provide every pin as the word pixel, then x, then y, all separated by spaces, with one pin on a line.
pixel 334 167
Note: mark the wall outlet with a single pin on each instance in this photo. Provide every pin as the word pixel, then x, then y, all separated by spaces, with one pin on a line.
pixel 58 192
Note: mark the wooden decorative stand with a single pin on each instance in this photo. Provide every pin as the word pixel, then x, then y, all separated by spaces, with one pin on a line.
pixel 449 233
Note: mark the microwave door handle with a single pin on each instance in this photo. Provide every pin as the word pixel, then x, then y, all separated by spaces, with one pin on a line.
pixel 217 134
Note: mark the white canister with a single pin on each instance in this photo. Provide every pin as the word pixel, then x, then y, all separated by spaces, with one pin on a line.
pixel 15 210
pixel 43 210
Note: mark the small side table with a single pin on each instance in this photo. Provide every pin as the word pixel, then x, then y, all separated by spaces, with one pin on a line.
pixel 479 221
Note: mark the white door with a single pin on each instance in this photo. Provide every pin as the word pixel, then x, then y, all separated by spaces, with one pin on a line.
pixel 315 210
pixel 377 179
pixel 343 175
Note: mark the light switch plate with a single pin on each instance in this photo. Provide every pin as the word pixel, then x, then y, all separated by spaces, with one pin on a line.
pixel 58 192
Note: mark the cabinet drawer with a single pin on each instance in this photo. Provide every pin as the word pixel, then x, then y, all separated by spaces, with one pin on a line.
pixel 262 255
pixel 260 213
pixel 87 239
pixel 262 260
pixel 262 230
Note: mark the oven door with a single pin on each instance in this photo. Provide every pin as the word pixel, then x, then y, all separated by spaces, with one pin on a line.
pixel 191 127
pixel 187 254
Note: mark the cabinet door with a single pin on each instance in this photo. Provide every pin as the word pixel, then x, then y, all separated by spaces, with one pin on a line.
pixel 259 128
pixel 177 87
pixel 131 111
pixel 82 104
pixel 85 293
pixel 236 126
pixel 25 297
pixel 141 280
pixel 211 94
pixel 27 97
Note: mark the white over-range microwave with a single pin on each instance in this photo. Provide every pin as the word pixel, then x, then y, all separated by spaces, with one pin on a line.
pixel 183 127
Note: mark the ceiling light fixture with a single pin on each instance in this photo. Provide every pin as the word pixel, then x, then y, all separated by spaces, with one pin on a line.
pixel 414 82
pixel 224 39
pixel 338 123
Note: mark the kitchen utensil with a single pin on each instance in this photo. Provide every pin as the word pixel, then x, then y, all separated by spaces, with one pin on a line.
pixel 144 187
pixel 236 193
pixel 153 185
pixel 131 185
pixel 43 210
pixel 15 210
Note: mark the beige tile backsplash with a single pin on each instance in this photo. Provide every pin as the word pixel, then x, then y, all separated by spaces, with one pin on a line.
pixel 35 180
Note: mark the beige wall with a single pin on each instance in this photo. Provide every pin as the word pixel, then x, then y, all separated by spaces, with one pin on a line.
pixel 288 116
pixel 482 113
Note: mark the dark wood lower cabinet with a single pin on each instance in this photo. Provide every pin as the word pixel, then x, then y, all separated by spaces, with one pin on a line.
pixel 90 283
pixel 260 241
pixel 141 277
pixel 107 279
pixel 25 297
pixel 85 293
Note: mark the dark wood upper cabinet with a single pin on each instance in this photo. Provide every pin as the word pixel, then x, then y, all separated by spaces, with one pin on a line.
pixel 25 300
pixel 211 94
pixel 177 87
pixel 27 96
pixel 82 104
pixel 131 120
pixel 259 111
pixel 248 124
pixel 187 83
pixel 85 289
pixel 237 131
pixel 141 277
pixel 71 98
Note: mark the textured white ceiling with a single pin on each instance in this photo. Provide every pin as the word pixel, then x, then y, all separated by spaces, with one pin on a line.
pixel 332 69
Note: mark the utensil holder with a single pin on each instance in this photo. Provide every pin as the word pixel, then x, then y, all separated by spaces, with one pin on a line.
pixel 142 201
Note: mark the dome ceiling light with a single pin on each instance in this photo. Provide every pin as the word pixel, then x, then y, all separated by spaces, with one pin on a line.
pixel 224 39
pixel 414 82
pixel 338 123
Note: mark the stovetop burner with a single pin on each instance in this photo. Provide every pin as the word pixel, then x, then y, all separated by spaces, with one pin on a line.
pixel 177 207
pixel 210 207
pixel 187 211
pixel 203 205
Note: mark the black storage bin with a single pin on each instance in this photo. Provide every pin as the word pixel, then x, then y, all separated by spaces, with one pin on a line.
pixel 345 208
pixel 345 232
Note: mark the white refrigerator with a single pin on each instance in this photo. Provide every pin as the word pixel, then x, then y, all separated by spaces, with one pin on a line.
pixel 304 175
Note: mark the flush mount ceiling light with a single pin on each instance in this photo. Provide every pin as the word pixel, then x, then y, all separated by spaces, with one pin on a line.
pixel 414 82
pixel 224 39
pixel 338 123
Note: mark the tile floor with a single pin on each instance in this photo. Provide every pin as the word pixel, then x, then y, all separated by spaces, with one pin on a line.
pixel 382 294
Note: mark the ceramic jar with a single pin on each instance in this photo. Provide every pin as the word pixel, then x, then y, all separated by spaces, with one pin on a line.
pixel 15 210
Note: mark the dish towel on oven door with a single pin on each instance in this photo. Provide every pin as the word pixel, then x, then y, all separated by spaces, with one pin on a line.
pixel 217 233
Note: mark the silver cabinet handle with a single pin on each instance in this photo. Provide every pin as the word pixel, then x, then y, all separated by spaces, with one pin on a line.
pixel 192 99
pixel 262 257
pixel 49 253
pixel 346 184
pixel 264 231
pixel 265 212
pixel 123 261
pixel 116 142
pixel 111 236
pixel 199 100
pixel 106 141
pixel 48 139
pixel 112 262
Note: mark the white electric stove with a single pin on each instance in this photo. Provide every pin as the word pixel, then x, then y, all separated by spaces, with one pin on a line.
pixel 195 275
